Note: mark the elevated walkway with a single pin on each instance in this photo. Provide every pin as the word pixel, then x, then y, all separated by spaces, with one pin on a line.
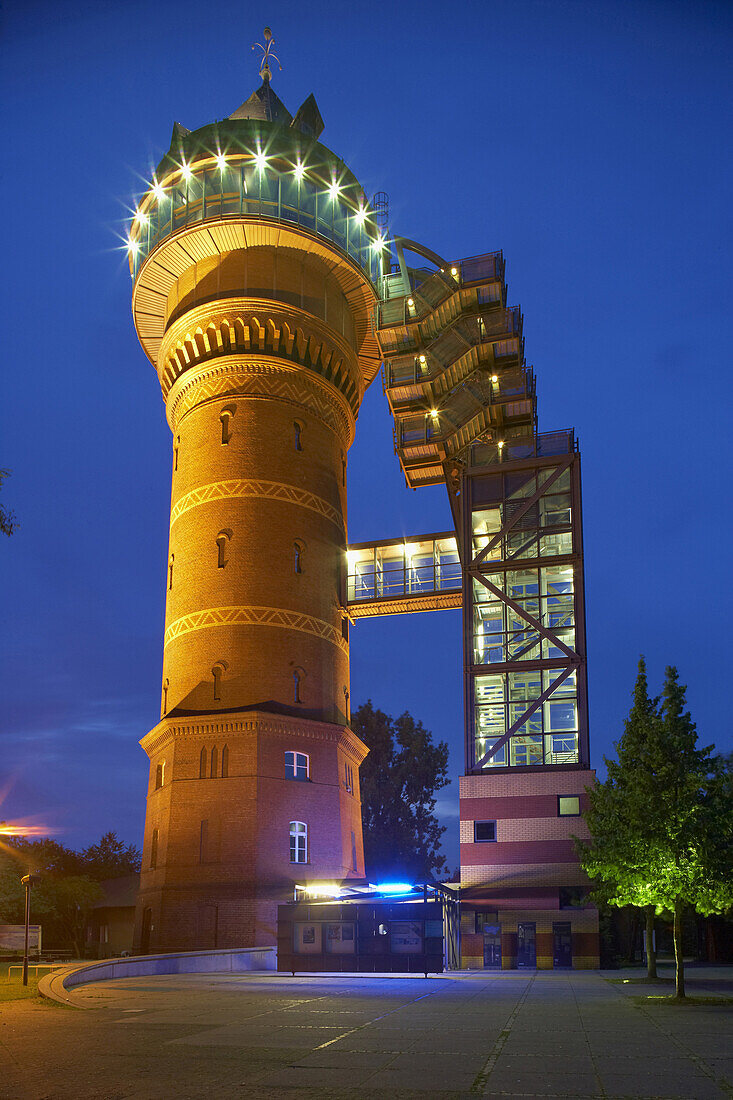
pixel 399 576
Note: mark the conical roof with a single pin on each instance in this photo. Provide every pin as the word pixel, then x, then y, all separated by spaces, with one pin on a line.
pixel 265 105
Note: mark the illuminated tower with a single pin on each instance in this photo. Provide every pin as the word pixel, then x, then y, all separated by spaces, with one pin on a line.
pixel 253 260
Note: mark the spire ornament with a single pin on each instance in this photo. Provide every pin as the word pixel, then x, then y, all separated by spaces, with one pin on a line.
pixel 265 71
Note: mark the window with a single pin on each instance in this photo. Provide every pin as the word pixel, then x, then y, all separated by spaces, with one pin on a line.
pixel 296 687
pixel 217 672
pixel 214 762
pixel 568 805
pixel 166 685
pixel 298 557
pixel 222 540
pixel 176 447
pixel 225 762
pixel 297 766
pixel 225 417
pixel 171 561
pixel 159 775
pixel 298 842
pixel 154 849
pixel 202 763
pixel 484 831
pixel 348 777
pixel 298 435
pixel 353 850
pixel 573 897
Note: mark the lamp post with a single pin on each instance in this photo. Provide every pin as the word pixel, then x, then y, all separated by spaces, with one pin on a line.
pixel 28 881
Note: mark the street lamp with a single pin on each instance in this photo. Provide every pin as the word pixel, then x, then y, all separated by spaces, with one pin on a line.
pixel 28 881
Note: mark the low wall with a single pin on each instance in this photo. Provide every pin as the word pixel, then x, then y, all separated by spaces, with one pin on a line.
pixel 57 985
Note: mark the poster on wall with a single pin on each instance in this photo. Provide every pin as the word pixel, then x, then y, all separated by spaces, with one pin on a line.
pixel 406 937
pixel 340 938
pixel 307 938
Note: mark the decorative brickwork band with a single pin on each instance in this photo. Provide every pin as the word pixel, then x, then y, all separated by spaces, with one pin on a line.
pixel 270 490
pixel 255 616
pixel 274 380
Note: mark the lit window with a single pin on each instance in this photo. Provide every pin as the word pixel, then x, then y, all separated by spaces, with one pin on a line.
pixel 484 831
pixel 568 805
pixel 159 775
pixel 297 765
pixel 298 842
pixel 348 777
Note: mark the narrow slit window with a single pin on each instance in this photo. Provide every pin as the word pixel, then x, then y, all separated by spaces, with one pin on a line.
pixel 225 762
pixel 296 687
pixel 226 429
pixel 298 557
pixel 171 562
pixel 154 849
pixel 298 435
pixel 166 685
pixel 217 672
pixel 159 775
pixel 214 762
pixel 222 549
pixel 176 447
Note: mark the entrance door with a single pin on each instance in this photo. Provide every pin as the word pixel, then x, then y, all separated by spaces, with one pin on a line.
pixel 526 945
pixel 562 945
pixel 492 945
pixel 145 931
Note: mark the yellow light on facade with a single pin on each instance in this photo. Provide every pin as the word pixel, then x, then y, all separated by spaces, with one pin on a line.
pixel 494 378
pixel 454 271
pixel 410 302
pixel 422 359
pixel 299 171
pixel 221 161
pixel 324 890
pixel 260 161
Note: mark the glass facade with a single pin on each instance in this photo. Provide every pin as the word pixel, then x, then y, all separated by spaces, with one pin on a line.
pixel 245 188
pixel 403 569
pixel 523 615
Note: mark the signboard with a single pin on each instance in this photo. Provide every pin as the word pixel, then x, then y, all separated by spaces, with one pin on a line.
pixel 12 939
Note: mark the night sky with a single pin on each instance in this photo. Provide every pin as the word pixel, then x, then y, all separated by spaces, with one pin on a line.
pixel 589 141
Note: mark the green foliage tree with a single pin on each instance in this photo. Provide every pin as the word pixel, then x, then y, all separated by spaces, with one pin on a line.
pixel 662 822
pixel 68 884
pixel 399 780
pixel 8 522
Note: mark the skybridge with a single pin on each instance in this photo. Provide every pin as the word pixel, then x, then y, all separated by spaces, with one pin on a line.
pixel 398 576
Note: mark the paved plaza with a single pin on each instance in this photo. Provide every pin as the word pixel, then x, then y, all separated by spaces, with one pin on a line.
pixel 563 1034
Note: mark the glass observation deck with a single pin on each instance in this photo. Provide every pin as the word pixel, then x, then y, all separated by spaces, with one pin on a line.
pixel 454 367
pixel 403 575
pixel 259 176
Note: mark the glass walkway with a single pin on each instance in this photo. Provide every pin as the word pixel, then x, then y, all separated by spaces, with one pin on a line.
pixel 403 575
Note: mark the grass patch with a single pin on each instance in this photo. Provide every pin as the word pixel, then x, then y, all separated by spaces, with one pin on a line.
pixel 640 981
pixel 12 989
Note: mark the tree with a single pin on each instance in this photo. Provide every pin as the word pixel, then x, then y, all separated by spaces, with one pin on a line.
pixel 110 858
pixel 661 824
pixel 8 522
pixel 399 779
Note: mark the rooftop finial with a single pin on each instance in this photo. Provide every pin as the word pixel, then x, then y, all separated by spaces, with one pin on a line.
pixel 265 71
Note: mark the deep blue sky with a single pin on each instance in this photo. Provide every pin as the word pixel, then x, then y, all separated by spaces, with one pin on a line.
pixel 589 141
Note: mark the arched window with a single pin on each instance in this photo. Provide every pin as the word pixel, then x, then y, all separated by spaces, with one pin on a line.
pixel 159 775
pixel 202 763
pixel 296 686
pixel 298 435
pixel 214 762
pixel 225 762
pixel 298 842
pixel 222 543
pixel 217 672
pixel 171 560
pixel 154 849
pixel 176 447
pixel 297 766
pixel 166 685
pixel 298 557
pixel 225 416
pixel 346 694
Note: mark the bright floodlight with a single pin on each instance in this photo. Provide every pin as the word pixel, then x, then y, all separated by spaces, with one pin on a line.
pixel 378 244
pixel 299 171
pixel 186 172
pixel 494 378
pixel 158 191
pixel 454 271
pixel 260 161
pixel 394 887
pixel 133 246
pixel 140 218
pixel 434 414
pixel 410 302
pixel 360 215
pixel 422 358
pixel 221 161
pixel 334 191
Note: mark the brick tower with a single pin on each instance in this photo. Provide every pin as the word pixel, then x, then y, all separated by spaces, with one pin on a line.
pixel 253 256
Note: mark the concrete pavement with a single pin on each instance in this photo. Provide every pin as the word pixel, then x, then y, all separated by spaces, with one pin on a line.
pixel 511 1034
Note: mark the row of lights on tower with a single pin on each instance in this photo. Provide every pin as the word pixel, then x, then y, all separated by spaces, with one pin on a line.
pixel 260 161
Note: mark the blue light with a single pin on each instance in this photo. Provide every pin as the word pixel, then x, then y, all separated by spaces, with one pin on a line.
pixel 394 887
